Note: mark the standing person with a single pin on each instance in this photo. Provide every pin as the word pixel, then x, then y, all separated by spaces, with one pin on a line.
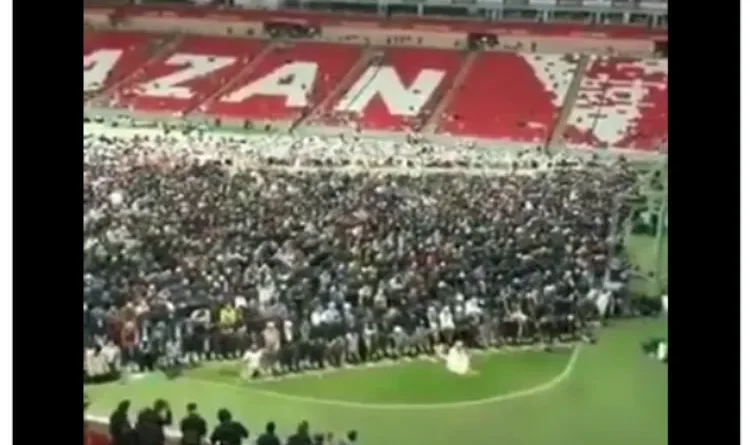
pixel 352 347
pixel 193 427
pixel 171 364
pixel 200 321
pixel 317 353
pixel 303 347
pixel 228 431
pixel 289 353
pixel 148 428
pixel 351 438
pixel 128 343
pixel 253 358
pixel 330 438
pixel 447 325
pixel 433 325
pixel 302 436
pixel 228 319
pixel 271 341
pixel 163 413
pixel 120 429
pixel 369 334
pixel 269 437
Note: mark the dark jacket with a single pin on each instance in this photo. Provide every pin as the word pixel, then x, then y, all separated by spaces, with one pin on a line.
pixel 165 417
pixel 120 429
pixel 149 429
pixel 229 433
pixel 299 439
pixel 193 428
pixel 268 439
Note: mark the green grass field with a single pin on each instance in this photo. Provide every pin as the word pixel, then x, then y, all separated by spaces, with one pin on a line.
pixel 604 393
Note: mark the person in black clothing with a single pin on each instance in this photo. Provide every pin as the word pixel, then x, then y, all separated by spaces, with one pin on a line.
pixel 269 437
pixel 351 438
pixel 193 427
pixel 120 429
pixel 163 412
pixel 317 353
pixel 149 428
pixel 228 432
pixel 302 436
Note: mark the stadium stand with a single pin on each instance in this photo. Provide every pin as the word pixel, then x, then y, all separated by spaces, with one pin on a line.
pixel 399 90
pixel 510 96
pixel 622 103
pixel 311 69
pixel 171 255
pixel 108 57
pixel 186 74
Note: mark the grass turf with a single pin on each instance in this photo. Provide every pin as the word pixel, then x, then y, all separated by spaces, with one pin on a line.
pixel 611 394
pixel 413 383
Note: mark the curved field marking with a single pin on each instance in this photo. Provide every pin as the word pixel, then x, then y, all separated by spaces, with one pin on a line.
pixel 372 365
pixel 550 384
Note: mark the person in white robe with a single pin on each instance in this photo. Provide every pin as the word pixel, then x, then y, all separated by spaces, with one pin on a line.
pixel 457 360
pixel 252 360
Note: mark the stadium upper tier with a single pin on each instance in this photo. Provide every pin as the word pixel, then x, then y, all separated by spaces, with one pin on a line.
pixel 611 102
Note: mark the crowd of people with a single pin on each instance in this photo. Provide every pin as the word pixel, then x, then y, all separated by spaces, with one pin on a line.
pixel 152 423
pixel 190 253
pixel 301 151
pixel 323 252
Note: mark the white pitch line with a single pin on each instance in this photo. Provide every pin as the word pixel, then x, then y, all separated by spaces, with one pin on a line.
pixel 566 372
pixel 376 365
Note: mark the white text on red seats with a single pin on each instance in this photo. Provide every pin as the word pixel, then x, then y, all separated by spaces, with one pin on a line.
pixel 293 81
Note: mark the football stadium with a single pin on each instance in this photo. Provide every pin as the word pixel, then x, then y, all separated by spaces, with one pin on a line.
pixel 420 223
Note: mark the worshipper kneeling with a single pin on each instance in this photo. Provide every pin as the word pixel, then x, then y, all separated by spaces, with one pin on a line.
pixel 657 348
